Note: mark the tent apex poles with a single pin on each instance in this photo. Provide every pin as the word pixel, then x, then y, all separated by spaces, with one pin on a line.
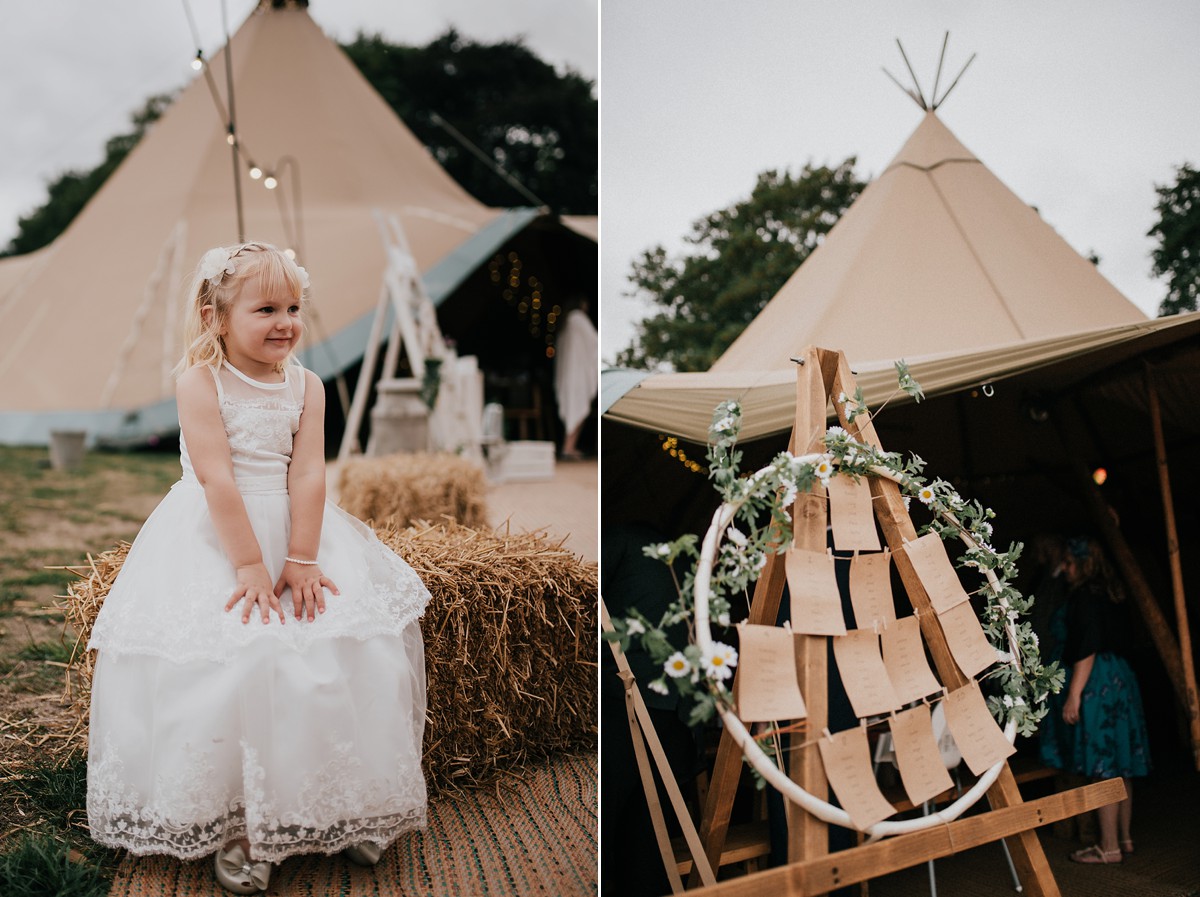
pixel 913 75
pixel 938 102
pixel 907 90
pixel 938 76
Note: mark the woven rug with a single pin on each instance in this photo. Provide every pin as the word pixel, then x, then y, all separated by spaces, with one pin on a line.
pixel 534 834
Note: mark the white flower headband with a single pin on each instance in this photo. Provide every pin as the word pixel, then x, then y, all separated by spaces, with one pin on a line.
pixel 218 262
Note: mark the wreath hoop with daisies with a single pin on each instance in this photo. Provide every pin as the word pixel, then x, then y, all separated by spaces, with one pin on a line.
pixel 728 560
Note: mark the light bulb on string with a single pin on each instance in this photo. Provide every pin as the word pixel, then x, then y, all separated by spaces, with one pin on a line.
pixel 230 139
pixel 270 183
pixel 255 172
pixel 198 62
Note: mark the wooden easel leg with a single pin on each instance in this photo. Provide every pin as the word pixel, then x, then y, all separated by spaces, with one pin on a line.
pixel 727 768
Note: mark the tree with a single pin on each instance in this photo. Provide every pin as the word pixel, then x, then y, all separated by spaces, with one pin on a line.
pixel 1177 256
pixel 70 191
pixel 742 256
pixel 537 124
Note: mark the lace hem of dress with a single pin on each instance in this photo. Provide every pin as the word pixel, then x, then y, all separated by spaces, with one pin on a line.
pixel 143 839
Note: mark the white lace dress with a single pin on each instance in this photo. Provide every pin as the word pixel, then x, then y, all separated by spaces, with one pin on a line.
pixel 304 737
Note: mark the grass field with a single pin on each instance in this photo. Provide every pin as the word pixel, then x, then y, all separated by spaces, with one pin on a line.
pixel 50 520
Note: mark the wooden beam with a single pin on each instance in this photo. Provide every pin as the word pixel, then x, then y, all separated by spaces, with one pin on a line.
pixel 1027 854
pixel 869 861
pixel 1104 518
pixel 808 836
pixel 1181 617
pixel 727 767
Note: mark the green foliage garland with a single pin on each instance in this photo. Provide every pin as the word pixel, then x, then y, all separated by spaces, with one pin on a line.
pixel 1023 681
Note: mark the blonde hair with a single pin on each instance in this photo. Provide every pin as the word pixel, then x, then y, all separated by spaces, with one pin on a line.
pixel 275 273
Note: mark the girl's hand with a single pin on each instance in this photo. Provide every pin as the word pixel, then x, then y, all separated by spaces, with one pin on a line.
pixel 1070 712
pixel 254 587
pixel 308 585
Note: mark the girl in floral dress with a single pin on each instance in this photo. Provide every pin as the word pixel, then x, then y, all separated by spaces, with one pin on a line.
pixel 1095 727
pixel 259 690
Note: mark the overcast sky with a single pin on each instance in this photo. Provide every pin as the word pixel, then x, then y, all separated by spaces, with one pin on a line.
pixel 71 72
pixel 1080 108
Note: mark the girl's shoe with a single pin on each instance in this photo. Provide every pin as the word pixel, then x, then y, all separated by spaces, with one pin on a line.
pixel 364 853
pixel 236 873
pixel 1094 854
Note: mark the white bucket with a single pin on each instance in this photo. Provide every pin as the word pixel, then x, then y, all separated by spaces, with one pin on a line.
pixel 67 448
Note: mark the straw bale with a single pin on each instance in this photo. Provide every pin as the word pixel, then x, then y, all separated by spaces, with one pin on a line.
pixel 404 489
pixel 510 647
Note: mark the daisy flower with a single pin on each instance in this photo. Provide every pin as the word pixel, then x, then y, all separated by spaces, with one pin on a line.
pixel 736 536
pixel 634 626
pixel 677 665
pixel 719 661
pixel 926 494
pixel 658 687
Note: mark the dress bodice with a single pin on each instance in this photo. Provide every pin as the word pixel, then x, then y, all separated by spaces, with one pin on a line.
pixel 260 420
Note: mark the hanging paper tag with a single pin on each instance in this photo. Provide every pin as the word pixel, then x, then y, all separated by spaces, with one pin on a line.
pixel 847 759
pixel 815 600
pixel 972 651
pixel 871 590
pixel 936 572
pixel 851 514
pixel 904 657
pixel 981 741
pixel 766 687
pixel 863 674
pixel 922 769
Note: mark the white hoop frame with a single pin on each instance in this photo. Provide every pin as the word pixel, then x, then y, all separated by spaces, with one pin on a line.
pixel 822 809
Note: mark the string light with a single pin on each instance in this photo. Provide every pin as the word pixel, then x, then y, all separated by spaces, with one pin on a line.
pixel 270 183
pixel 255 171
pixel 198 62
pixel 670 445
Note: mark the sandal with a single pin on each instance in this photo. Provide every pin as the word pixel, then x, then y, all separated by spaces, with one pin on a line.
pixel 238 874
pixel 1094 855
pixel 364 853
pixel 1126 847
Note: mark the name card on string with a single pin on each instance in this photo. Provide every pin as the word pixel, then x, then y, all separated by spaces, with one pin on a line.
pixel 976 733
pixel 871 589
pixel 851 514
pixel 936 572
pixel 847 759
pixel 904 658
pixel 863 674
pixel 922 770
pixel 969 646
pixel 766 687
pixel 815 600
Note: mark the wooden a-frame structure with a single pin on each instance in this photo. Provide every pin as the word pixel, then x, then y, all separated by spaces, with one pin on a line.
pixel 811 868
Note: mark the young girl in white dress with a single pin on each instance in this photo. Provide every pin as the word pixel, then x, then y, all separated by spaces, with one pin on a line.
pixel 259 689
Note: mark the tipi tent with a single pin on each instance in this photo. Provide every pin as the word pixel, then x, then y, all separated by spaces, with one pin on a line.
pixel 935 255
pixel 91 325
pixel 1036 370
pixel 936 258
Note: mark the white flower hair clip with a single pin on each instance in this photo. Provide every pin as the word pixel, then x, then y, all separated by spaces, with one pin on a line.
pixel 215 264
pixel 303 277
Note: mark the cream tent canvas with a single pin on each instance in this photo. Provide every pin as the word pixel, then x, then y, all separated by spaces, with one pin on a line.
pixel 91 325
pixel 935 255
pixel 936 260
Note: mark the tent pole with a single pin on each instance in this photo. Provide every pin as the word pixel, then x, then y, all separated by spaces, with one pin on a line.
pixel 1181 617
pixel 366 376
pixel 1104 517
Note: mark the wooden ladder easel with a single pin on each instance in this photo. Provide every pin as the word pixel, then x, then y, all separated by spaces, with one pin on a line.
pixel 811 868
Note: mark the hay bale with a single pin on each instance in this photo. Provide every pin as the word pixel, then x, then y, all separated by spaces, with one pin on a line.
pixel 510 647
pixel 405 489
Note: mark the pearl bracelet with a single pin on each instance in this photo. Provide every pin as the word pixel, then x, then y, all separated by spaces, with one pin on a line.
pixel 292 560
